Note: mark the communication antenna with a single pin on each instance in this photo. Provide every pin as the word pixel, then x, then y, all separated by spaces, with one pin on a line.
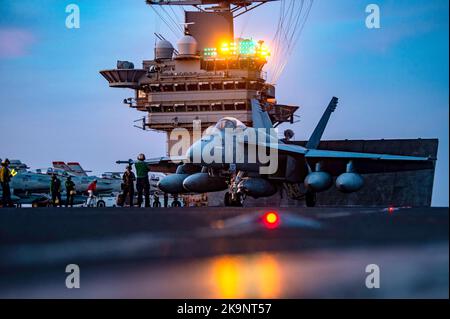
pixel 185 25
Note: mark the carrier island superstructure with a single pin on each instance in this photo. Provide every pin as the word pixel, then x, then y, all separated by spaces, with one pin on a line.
pixel 209 74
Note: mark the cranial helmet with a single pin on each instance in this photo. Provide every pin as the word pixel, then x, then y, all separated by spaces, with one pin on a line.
pixel 141 157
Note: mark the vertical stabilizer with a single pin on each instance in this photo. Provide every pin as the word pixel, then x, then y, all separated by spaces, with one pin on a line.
pixel 316 136
pixel 260 117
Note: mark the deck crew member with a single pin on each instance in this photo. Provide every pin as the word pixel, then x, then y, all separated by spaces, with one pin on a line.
pixel 55 190
pixel 5 178
pixel 166 200
pixel 128 185
pixel 92 188
pixel 70 191
pixel 142 183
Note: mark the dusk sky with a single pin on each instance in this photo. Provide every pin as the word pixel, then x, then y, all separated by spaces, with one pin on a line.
pixel 392 82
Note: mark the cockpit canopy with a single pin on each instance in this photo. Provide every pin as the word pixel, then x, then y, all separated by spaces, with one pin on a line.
pixel 229 122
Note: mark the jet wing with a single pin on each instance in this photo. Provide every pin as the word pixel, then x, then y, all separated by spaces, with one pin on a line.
pixel 327 154
pixel 334 162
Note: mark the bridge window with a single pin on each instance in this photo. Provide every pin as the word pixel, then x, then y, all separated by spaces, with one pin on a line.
pixel 217 86
pixel 204 86
pixel 205 108
pixel 192 87
pixel 155 88
pixel 241 85
pixel 216 107
pixel 169 108
pixel 191 108
pixel 253 85
pixel 180 87
pixel 168 87
pixel 228 85
pixel 229 107
pixel 241 106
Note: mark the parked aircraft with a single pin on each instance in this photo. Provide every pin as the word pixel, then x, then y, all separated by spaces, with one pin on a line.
pixel 29 187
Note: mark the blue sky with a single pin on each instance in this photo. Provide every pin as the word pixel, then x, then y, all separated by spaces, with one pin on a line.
pixel 392 82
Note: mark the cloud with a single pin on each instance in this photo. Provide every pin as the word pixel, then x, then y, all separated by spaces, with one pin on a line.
pixel 15 42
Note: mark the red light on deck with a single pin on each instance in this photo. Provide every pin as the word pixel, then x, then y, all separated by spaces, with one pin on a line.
pixel 391 210
pixel 271 220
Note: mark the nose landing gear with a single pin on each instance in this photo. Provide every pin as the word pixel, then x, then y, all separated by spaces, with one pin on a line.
pixel 234 198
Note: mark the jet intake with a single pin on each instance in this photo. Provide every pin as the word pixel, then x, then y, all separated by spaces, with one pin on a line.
pixel 203 183
pixel 173 184
pixel 349 182
pixel 257 187
pixel 318 182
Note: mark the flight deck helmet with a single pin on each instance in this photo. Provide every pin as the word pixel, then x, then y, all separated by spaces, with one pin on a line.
pixel 141 157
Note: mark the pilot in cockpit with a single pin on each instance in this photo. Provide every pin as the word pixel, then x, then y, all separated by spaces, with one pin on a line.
pixel 229 122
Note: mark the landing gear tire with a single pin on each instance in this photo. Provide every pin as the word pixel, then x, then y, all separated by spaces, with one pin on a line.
pixel 229 202
pixel 227 199
pixel 176 203
pixel 310 199
pixel 156 204
pixel 101 203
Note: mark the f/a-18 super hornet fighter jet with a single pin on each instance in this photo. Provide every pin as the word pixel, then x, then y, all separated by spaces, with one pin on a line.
pixel 253 162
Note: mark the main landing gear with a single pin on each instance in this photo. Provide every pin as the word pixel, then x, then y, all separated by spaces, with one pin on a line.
pixel 237 201
pixel 310 199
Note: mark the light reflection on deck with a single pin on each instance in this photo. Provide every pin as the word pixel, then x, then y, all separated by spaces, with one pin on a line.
pixel 256 276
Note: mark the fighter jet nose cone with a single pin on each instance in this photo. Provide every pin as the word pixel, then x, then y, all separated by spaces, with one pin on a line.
pixel 194 153
pixel 190 155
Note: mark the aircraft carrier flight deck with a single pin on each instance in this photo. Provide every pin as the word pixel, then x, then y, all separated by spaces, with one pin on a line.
pixel 216 252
